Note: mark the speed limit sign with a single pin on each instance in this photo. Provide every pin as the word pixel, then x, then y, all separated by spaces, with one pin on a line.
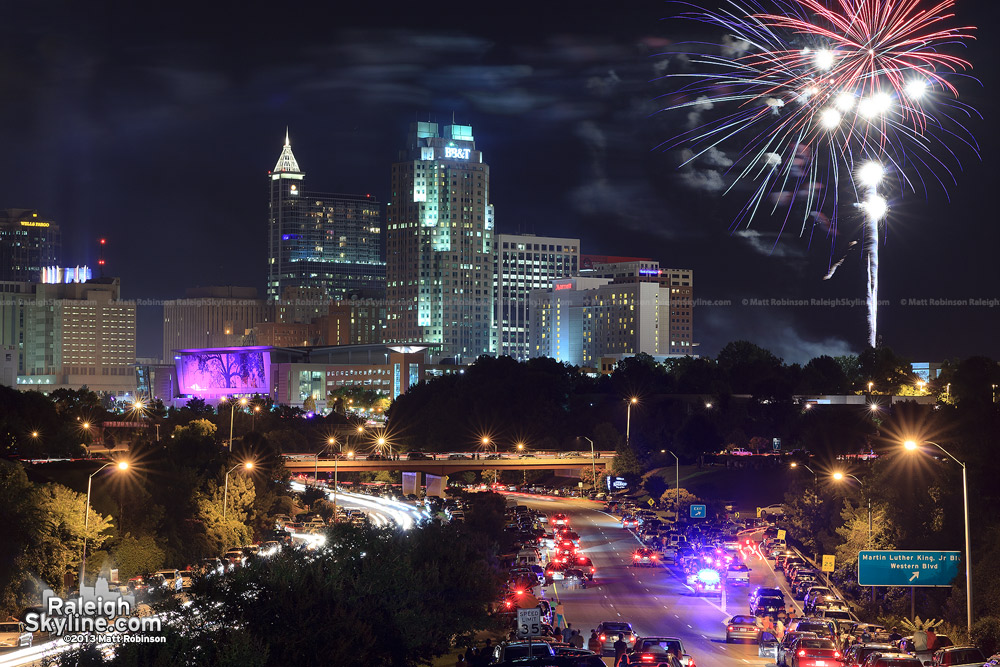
pixel 529 622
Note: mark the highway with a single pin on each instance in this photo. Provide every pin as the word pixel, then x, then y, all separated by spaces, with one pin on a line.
pixel 656 601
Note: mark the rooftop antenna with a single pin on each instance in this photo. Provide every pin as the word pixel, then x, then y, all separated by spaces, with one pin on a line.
pixel 100 256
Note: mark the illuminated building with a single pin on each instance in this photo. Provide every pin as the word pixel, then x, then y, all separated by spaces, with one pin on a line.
pixel 582 320
pixel 27 243
pixel 680 282
pixel 440 254
pixel 78 334
pixel 212 317
pixel 293 375
pixel 330 242
pixel 54 275
pixel 525 263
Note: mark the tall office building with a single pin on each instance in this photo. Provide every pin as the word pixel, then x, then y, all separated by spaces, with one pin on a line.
pixel 680 282
pixel 440 256
pixel 75 335
pixel 212 317
pixel 594 322
pixel 27 244
pixel 332 242
pixel 525 263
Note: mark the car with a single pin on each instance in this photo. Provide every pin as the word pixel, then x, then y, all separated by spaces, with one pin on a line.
pixel 738 574
pixel 517 650
pixel 789 562
pixel 767 606
pixel 706 581
pixel 741 628
pixel 645 557
pixel 13 634
pixel 187 578
pixel 855 654
pixel 211 566
pixel 828 602
pixel 630 522
pixel 587 565
pixel 824 628
pixel 560 520
pixel 838 614
pixel 655 651
pixel 785 646
pixel 958 656
pixel 888 659
pixel 608 631
pixel 810 652
pixel 765 592
pixel 773 510
pixel 803 580
pixel 234 558
pixel 555 572
pixel 171 579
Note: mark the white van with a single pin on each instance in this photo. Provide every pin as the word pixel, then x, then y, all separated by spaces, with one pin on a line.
pixel 529 557
pixel 172 580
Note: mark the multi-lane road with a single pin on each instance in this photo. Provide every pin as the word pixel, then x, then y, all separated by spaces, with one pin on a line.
pixel 655 600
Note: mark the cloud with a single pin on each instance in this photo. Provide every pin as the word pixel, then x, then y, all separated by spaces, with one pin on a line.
pixel 708 180
pixel 767 244
pixel 776 329
pixel 700 105
pixel 733 47
pixel 701 172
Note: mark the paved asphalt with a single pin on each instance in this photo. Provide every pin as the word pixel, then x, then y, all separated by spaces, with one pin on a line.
pixel 655 600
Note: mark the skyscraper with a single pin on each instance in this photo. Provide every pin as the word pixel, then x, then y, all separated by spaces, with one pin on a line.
pixel 439 269
pixel 27 244
pixel 319 240
pixel 525 263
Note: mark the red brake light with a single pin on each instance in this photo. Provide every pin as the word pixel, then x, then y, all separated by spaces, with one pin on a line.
pixel 508 604
pixel 603 638
pixel 519 592
pixel 730 628
pixel 647 657
pixel 836 654
pixel 635 556
pixel 802 652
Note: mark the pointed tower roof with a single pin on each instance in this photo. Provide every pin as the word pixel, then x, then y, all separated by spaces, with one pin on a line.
pixel 287 161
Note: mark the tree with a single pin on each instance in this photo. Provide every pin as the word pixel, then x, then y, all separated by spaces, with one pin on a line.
pixel 685 498
pixel 654 485
pixel 198 428
pixel 825 375
pixel 750 368
pixel 886 371
pixel 18 509
pixel 854 532
pixel 60 545
pixel 625 463
pixel 605 437
pixel 134 556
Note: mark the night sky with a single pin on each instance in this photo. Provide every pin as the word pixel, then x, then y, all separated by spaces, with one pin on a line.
pixel 156 128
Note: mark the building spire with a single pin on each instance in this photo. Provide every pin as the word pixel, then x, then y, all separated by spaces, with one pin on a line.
pixel 286 161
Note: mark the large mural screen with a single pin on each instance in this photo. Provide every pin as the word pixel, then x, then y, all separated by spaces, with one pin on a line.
pixel 208 373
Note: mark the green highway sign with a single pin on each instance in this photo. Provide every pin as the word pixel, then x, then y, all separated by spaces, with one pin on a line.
pixel 908 568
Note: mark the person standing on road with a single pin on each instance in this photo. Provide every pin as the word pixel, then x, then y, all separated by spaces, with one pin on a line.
pixel 577 639
pixel 675 657
pixel 461 661
pixel 779 629
pixel 558 634
pixel 594 643
pixel 620 647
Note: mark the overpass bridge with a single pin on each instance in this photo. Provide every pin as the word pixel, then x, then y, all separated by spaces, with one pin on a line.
pixel 300 463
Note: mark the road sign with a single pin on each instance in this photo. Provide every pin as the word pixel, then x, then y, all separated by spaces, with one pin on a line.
pixel 699 511
pixel 781 535
pixel 759 511
pixel 908 568
pixel 650 502
pixel 829 563
pixel 776 444
pixel 737 515
pixel 529 622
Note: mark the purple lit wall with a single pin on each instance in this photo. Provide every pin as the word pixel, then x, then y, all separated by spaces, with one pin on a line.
pixel 211 373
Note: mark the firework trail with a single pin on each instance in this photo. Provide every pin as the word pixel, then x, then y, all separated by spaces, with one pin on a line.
pixel 825 96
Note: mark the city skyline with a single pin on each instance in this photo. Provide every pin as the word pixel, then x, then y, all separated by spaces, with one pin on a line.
pixel 572 89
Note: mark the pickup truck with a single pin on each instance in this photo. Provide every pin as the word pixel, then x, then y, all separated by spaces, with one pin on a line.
pixel 738 574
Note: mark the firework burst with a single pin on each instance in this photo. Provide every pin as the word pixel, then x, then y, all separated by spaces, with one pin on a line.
pixel 826 98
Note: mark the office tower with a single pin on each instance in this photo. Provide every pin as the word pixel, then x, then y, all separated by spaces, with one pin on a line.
pixel 332 242
pixel 440 255
pixel 27 244
pixel 78 334
pixel 525 263
pixel 680 282
pixel 212 317
pixel 583 320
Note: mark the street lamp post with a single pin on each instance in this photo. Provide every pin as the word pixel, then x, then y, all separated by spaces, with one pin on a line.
pixel 253 418
pixel 677 486
pixel 593 463
pixel 225 496
pixel 840 476
pixel 121 465
pixel 911 445
pixel 794 464
pixel 628 417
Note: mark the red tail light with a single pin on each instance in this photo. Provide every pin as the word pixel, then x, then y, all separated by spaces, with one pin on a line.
pixel 604 638
pixel 836 654
pixel 508 604
pixel 646 657
pixel 592 570
pixel 635 556
pixel 729 629
pixel 802 652
pixel 519 592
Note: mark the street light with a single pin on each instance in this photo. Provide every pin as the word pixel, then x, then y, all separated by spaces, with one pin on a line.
pixel 793 464
pixel 912 446
pixel 677 488
pixel 524 479
pixel 253 418
pixel 121 465
pixel 593 463
pixel 628 417
pixel 225 496
pixel 330 442
pixel 839 476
